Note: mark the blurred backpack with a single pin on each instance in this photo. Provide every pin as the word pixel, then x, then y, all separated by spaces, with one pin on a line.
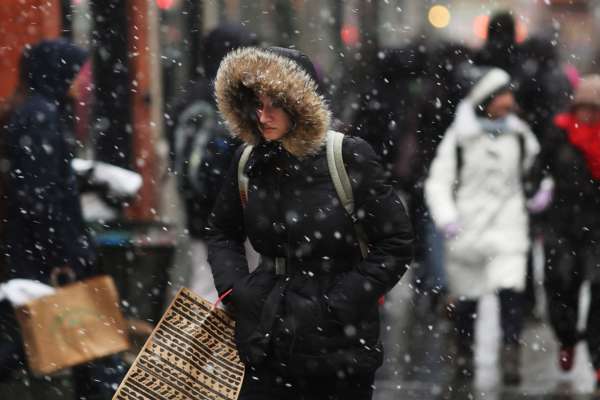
pixel 201 141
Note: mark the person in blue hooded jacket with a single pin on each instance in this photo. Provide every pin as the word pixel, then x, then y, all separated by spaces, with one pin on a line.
pixel 45 226
pixel 44 214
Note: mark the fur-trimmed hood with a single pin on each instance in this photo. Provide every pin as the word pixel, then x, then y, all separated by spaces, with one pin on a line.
pixel 250 71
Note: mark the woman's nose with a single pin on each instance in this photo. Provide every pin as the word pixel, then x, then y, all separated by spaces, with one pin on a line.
pixel 263 116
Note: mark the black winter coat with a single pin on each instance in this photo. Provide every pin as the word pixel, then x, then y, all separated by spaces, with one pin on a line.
pixel 575 209
pixel 45 223
pixel 322 316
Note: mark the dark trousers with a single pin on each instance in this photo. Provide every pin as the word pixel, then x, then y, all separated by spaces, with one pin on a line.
pixel 529 299
pixel 511 320
pixel 430 276
pixel 568 263
pixel 266 384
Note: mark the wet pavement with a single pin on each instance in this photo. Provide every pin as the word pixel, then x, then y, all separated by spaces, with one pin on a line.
pixel 418 363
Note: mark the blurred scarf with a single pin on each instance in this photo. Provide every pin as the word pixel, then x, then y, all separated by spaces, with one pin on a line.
pixel 586 137
pixel 494 127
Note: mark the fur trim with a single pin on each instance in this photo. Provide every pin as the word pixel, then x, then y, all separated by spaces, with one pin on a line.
pixel 281 78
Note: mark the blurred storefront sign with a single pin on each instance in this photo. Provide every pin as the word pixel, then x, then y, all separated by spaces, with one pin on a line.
pixel 569 4
pixel 23 22
pixel 165 4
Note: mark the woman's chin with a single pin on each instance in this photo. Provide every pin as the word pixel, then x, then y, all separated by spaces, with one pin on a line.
pixel 271 135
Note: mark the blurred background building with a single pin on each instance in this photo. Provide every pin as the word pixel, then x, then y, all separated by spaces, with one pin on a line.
pixel 145 51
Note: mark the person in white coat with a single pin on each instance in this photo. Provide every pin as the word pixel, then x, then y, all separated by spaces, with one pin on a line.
pixel 476 197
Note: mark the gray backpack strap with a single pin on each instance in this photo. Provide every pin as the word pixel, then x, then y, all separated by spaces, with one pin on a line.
pixel 341 182
pixel 242 177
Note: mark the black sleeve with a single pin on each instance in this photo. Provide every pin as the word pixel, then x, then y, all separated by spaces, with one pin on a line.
pixel 543 165
pixel 387 226
pixel 226 234
pixel 36 162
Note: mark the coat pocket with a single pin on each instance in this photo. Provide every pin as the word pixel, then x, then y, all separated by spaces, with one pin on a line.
pixel 305 309
pixel 250 297
pixel 348 360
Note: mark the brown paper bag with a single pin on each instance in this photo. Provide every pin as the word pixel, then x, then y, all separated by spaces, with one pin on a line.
pixel 190 355
pixel 80 322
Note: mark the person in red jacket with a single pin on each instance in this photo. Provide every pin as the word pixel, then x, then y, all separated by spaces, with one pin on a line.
pixel 571 157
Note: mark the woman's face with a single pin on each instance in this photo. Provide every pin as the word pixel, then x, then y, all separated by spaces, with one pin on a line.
pixel 587 113
pixel 502 105
pixel 273 121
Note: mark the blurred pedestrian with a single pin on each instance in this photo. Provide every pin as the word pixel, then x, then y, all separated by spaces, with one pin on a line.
pixel 543 91
pixel 436 100
pixel 385 110
pixel 45 227
pixel 307 320
pixel 203 150
pixel 500 48
pixel 571 157
pixel 475 195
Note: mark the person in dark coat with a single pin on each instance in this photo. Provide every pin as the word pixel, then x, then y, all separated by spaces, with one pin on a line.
pixel 500 48
pixel 435 108
pixel 45 226
pixel 544 89
pixel 203 149
pixel 44 214
pixel 571 157
pixel 307 319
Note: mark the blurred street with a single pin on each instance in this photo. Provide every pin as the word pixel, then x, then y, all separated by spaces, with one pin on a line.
pixel 417 364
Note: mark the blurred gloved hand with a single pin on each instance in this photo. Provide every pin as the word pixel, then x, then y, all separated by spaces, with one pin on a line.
pixel 540 201
pixel 542 198
pixel 22 291
pixel 120 182
pixel 451 230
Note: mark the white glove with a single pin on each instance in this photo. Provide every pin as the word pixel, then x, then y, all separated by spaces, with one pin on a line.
pixel 22 291
pixel 121 182
pixel 540 201
pixel 451 230
pixel 543 197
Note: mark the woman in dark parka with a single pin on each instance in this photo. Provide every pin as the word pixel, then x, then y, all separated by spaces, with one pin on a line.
pixel 307 320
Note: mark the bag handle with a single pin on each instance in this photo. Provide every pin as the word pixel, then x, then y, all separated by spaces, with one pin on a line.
pixel 63 270
pixel 220 299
